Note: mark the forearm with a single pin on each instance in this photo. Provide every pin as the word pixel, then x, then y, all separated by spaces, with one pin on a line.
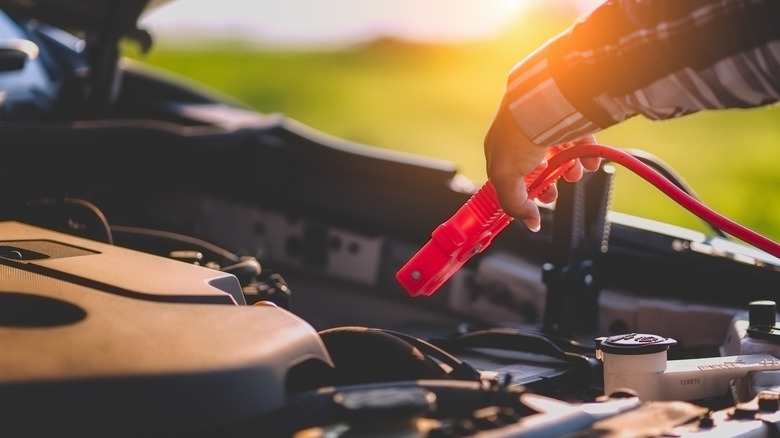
pixel 660 59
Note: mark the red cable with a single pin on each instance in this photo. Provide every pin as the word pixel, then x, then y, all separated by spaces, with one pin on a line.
pixel 658 180
pixel 474 226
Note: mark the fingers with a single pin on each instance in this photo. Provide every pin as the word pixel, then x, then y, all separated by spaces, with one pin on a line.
pixel 575 173
pixel 549 196
pixel 591 164
pixel 510 156
pixel 513 197
pixel 531 217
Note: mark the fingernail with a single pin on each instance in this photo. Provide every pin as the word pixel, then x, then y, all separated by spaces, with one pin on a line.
pixel 533 226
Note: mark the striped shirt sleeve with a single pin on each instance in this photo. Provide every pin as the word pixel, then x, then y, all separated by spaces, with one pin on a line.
pixel 656 58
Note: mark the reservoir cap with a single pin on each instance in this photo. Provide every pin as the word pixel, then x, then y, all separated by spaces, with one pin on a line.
pixel 634 343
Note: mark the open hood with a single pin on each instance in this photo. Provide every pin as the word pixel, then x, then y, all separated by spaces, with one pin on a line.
pixel 90 70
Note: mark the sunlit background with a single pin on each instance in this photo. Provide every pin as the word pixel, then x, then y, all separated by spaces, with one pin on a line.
pixel 425 76
pixel 318 23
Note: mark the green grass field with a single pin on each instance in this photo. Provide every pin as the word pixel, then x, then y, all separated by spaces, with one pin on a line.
pixel 438 100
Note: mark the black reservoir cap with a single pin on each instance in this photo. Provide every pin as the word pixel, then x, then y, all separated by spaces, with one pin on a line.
pixel 634 343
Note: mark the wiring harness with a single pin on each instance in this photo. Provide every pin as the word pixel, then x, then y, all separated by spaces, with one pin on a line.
pixel 474 226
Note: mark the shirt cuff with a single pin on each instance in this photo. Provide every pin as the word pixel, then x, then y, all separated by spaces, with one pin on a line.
pixel 540 109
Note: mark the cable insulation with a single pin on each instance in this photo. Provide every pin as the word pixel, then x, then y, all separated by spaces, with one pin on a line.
pixel 655 178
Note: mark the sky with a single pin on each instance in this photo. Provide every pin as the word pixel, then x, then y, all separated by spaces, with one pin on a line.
pixel 311 22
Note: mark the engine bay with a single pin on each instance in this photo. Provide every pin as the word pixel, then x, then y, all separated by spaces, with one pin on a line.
pixel 172 264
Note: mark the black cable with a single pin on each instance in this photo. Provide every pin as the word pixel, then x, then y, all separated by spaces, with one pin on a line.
pixel 528 342
pixel 161 242
pixel 675 178
pixel 460 369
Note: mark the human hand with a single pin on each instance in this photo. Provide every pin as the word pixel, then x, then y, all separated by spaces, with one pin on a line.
pixel 510 156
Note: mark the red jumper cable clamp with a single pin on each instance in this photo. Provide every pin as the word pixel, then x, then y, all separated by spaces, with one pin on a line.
pixel 467 233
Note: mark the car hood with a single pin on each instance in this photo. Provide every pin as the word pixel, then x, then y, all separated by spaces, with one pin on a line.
pixel 83 17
